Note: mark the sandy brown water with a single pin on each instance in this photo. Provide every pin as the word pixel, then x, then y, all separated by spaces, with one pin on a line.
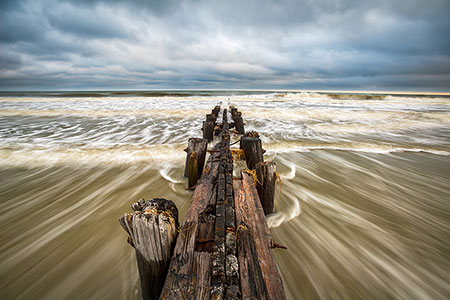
pixel 363 206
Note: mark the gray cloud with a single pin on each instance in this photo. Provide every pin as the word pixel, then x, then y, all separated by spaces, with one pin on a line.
pixel 321 44
pixel 85 23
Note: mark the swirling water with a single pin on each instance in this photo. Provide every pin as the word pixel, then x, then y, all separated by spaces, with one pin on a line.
pixel 363 204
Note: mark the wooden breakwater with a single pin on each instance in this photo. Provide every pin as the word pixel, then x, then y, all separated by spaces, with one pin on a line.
pixel 223 248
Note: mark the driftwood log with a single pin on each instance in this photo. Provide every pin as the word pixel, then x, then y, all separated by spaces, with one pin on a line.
pixel 152 230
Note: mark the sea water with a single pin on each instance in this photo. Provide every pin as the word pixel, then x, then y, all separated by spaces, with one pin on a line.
pixel 363 204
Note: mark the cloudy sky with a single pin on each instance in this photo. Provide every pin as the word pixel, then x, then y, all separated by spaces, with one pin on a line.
pixel 277 44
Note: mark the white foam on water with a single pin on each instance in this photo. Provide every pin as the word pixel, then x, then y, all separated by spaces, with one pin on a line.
pixel 368 148
pixel 357 224
pixel 163 156
pixel 164 172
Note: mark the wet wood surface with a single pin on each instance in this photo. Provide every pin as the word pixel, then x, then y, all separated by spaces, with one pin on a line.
pixel 267 176
pixel 152 229
pixel 198 146
pixel 260 278
pixel 252 147
pixel 223 248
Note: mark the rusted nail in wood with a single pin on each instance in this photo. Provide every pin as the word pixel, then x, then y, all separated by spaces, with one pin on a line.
pixel 274 245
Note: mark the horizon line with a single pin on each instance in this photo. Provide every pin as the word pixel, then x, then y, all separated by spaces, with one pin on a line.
pixel 244 90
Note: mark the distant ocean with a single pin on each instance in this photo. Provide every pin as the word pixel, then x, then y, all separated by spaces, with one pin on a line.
pixel 364 204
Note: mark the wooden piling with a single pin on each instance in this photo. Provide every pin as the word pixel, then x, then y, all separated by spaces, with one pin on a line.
pixel 233 111
pixel 266 175
pixel 239 124
pixel 192 170
pixel 198 146
pixel 152 229
pixel 211 117
pixel 216 110
pixel 208 129
pixel 252 147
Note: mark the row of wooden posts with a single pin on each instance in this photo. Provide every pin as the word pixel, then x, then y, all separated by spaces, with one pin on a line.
pixel 223 248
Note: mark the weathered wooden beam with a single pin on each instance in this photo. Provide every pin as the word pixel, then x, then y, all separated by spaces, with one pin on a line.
pixel 218 279
pixel 198 146
pixel 266 174
pixel 225 274
pixel 152 229
pixel 208 235
pixel 259 275
pixel 190 267
pixel 232 291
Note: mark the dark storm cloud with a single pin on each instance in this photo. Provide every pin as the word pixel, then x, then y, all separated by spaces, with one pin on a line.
pixel 321 44
pixel 72 20
pixel 10 61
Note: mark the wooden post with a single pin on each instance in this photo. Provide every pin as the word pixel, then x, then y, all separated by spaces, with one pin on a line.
pixel 192 170
pixel 198 146
pixel 216 110
pixel 208 129
pixel 218 129
pixel 253 151
pixel 211 117
pixel 239 124
pixel 266 174
pixel 152 229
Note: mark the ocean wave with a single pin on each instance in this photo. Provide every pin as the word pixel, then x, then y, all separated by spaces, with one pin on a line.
pixel 157 156
pixel 164 157
pixel 283 147
pixel 170 113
